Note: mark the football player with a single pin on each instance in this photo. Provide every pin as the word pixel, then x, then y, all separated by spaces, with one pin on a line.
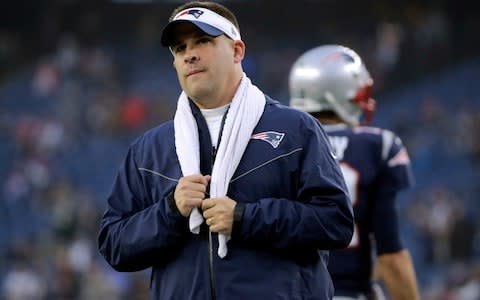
pixel 332 83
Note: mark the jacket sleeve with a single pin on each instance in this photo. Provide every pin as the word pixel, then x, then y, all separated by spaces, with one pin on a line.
pixel 136 230
pixel 320 217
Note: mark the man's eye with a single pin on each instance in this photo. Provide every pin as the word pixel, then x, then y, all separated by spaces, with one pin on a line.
pixel 204 40
pixel 177 49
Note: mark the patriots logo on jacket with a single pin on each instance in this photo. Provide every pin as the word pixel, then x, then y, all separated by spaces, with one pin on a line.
pixel 272 137
pixel 194 12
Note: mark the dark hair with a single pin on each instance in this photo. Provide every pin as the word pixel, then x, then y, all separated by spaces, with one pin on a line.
pixel 213 6
pixel 326 116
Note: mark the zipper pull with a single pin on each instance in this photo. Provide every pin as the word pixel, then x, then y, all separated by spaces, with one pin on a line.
pixel 214 154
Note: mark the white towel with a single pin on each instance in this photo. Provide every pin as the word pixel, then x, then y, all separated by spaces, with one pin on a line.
pixel 245 110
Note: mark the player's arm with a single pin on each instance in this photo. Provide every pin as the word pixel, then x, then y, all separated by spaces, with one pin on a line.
pixel 397 272
pixel 394 265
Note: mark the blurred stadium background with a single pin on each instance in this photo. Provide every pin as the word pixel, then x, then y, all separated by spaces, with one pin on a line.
pixel 79 80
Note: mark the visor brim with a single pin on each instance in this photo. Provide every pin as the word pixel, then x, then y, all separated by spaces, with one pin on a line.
pixel 168 33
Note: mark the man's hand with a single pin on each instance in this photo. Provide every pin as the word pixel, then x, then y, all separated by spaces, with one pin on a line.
pixel 218 213
pixel 190 192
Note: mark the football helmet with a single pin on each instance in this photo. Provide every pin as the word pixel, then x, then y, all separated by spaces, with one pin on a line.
pixel 332 78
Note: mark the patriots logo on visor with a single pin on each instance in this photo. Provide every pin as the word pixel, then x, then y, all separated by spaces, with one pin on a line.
pixel 272 137
pixel 194 12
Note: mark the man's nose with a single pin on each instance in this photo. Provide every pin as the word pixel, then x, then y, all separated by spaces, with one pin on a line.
pixel 191 56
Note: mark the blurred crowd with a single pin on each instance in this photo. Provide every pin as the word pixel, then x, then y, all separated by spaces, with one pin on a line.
pixel 78 82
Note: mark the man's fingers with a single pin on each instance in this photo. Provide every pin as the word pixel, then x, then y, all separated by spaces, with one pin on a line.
pixel 188 187
pixel 206 179
pixel 208 203
pixel 193 194
pixel 198 178
pixel 190 192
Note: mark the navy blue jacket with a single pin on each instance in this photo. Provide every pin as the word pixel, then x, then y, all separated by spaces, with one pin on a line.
pixel 294 203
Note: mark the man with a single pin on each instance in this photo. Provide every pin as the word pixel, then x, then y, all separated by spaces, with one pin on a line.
pixel 238 197
pixel 332 83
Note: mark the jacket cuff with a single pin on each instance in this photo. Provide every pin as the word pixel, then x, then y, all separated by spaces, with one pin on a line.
pixel 172 204
pixel 237 218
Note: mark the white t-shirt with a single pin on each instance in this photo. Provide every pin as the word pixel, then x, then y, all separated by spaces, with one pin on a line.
pixel 214 117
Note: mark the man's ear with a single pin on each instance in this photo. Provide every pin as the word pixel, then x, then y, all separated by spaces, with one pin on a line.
pixel 239 51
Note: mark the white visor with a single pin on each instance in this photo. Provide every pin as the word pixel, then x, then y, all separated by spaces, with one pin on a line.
pixel 206 20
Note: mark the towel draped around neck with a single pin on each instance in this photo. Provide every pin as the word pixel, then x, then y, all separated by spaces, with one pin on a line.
pixel 242 117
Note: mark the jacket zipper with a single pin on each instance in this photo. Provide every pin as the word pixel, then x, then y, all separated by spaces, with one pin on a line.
pixel 210 258
pixel 210 242
pixel 210 247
